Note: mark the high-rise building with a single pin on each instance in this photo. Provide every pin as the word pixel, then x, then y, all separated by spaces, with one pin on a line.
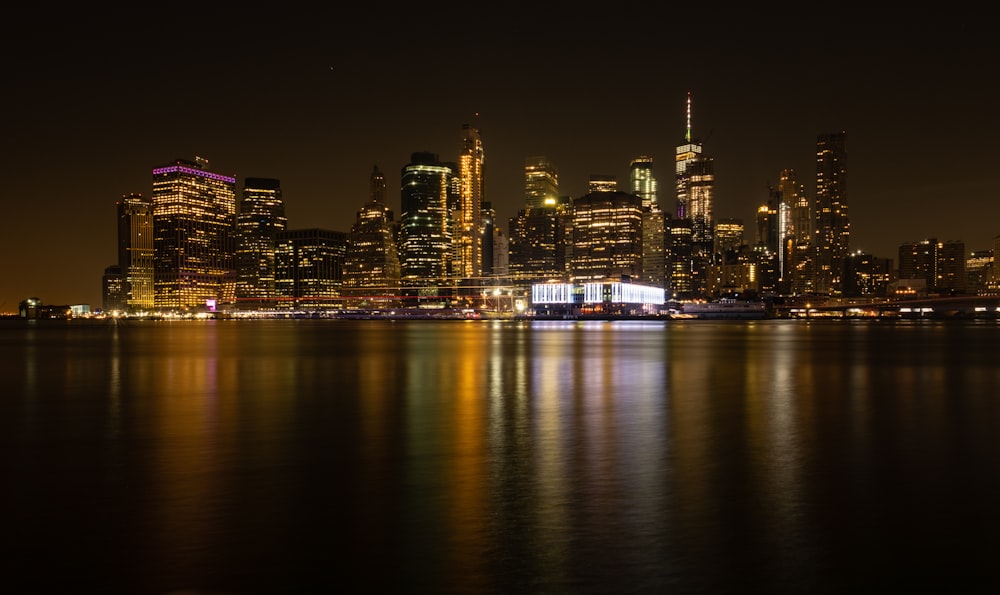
pixel 135 252
pixel 371 267
pixel 918 260
pixel 978 270
pixel 602 183
pixel 867 275
pixel 767 246
pixel 607 237
pixel 695 183
pixel 643 182
pixel 194 212
pixel 541 182
pixel 832 232
pixel 113 289
pixel 425 240
pixel 688 151
pixel 728 237
pixel 536 242
pixel 654 244
pixel 700 176
pixel 795 233
pixel 468 218
pixel 259 219
pixel 679 258
pixel 535 245
pixel 310 268
pixel 950 275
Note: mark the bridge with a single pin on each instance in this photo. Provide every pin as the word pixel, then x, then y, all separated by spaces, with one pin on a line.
pixel 952 306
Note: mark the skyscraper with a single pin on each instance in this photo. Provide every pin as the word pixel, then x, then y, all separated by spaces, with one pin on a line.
pixel 795 234
pixel 471 164
pixel 695 183
pixel 688 151
pixel 260 218
pixel 541 182
pixel 643 182
pixel 536 240
pixel 310 268
pixel 194 213
pixel 654 243
pixel 607 237
pixel 372 263
pixel 536 246
pixel 135 251
pixel 832 231
pixel 425 242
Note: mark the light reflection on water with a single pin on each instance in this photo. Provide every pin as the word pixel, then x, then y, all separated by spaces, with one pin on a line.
pixel 295 456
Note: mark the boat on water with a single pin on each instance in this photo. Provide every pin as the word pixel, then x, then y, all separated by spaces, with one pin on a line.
pixel 725 308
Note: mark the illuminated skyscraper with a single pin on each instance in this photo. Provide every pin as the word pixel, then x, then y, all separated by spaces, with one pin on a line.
pixel 194 212
pixel 425 242
pixel 695 183
pixel 541 182
pixel 654 244
pixel 469 218
pixel 678 249
pixel 795 233
pixel 536 245
pixel 832 231
pixel 688 151
pixel 607 237
pixel 643 182
pixel 260 218
pixel 728 236
pixel 372 263
pixel 135 252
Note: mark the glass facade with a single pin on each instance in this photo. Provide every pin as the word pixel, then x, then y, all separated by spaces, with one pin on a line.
pixel 425 232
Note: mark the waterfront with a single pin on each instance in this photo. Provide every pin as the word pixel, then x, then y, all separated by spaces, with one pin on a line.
pixel 277 456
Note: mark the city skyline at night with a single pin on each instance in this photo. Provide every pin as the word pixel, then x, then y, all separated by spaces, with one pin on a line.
pixel 317 109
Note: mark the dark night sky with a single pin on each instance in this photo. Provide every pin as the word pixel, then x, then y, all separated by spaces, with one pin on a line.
pixel 94 99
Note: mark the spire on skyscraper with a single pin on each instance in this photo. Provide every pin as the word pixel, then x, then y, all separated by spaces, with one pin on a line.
pixel 687 133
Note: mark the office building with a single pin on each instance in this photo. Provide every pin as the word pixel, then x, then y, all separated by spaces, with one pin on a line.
pixel 113 290
pixel 371 266
pixel 194 212
pixel 535 244
pixel 309 266
pixel 135 253
pixel 643 182
pixel 541 182
pixel 425 231
pixel 687 152
pixel 678 258
pixel 607 237
pixel 259 219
